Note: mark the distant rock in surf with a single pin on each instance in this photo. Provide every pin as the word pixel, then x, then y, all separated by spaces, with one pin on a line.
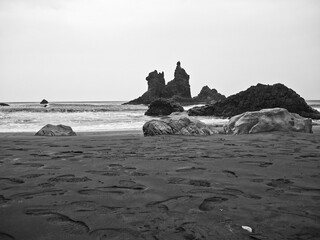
pixel 178 89
pixel 44 102
pixel 256 98
pixel 4 105
pixel 177 126
pixel 267 120
pixel 208 95
pixel 163 107
pixel 55 130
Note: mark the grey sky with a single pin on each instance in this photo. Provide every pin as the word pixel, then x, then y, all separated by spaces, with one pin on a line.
pixel 103 50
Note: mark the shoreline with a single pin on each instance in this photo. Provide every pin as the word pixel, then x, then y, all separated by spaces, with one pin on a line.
pixel 315 129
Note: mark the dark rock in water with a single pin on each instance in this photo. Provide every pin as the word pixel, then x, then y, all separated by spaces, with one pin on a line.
pixel 163 107
pixel 178 89
pixel 4 105
pixel 256 98
pixel 55 130
pixel 177 126
pixel 267 120
pixel 208 95
pixel 44 102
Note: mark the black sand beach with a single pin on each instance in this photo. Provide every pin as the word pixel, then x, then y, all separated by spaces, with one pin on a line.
pixel 126 186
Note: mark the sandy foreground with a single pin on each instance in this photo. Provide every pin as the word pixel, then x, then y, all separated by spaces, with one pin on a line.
pixel 126 186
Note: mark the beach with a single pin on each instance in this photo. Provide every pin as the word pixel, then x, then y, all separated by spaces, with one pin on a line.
pixel 122 185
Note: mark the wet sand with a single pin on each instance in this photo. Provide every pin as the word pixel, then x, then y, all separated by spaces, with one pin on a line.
pixel 126 186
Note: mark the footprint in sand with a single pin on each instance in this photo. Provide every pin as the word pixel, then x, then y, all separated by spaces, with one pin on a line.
pixel 164 205
pixel 12 180
pixel 230 173
pixel 279 183
pixel 189 169
pixel 69 178
pixel 193 182
pixel 6 236
pixel 3 200
pixel 32 175
pixel 116 233
pixel 210 203
pixel 99 192
pixel 68 225
pixel 28 195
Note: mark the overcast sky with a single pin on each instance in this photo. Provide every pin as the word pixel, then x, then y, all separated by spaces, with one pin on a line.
pixel 64 50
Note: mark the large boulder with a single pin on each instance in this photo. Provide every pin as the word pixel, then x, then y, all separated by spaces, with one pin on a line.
pixel 177 126
pixel 208 95
pixel 44 102
pixel 163 107
pixel 55 130
pixel 256 98
pixel 266 120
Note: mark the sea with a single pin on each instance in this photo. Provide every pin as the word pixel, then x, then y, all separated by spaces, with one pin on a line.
pixel 81 116
pixel 86 116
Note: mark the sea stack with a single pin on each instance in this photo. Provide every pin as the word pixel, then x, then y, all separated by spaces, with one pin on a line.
pixel 177 89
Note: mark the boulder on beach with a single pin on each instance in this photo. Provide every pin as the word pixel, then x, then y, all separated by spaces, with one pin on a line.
pixel 44 102
pixel 163 107
pixel 256 98
pixel 177 126
pixel 4 105
pixel 55 130
pixel 267 120
pixel 208 95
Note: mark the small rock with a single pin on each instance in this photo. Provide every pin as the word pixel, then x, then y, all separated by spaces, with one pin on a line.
pixel 249 229
pixel 44 102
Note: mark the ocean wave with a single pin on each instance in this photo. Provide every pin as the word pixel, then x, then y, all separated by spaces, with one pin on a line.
pixel 73 109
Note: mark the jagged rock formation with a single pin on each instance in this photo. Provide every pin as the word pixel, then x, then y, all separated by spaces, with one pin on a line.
pixel 208 95
pixel 55 130
pixel 4 105
pixel 267 120
pixel 44 102
pixel 179 86
pixel 163 107
pixel 177 126
pixel 256 98
pixel 156 85
pixel 178 89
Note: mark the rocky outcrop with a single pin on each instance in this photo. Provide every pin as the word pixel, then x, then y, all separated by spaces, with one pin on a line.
pixel 4 105
pixel 177 126
pixel 44 102
pixel 55 130
pixel 179 86
pixel 178 89
pixel 163 107
pixel 267 120
pixel 156 85
pixel 208 95
pixel 256 98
